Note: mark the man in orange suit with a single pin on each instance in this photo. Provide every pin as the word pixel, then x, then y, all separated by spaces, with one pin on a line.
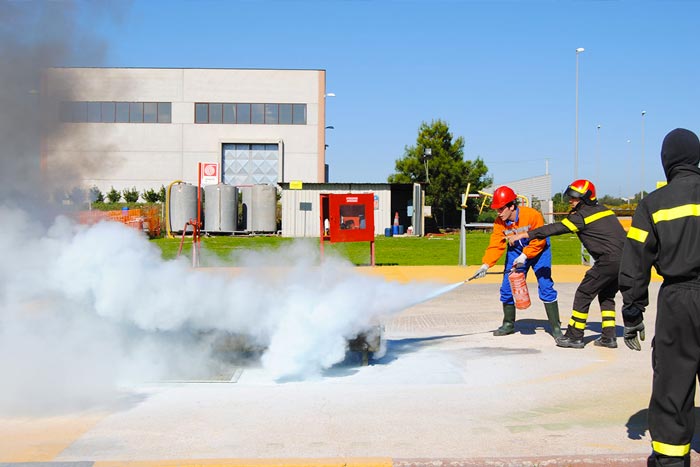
pixel 522 255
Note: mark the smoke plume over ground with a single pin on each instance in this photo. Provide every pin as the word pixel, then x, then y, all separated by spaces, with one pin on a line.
pixel 86 311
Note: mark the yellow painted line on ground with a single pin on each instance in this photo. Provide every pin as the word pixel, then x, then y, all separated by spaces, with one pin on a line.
pixel 454 274
pixel 326 462
pixel 40 439
pixel 572 273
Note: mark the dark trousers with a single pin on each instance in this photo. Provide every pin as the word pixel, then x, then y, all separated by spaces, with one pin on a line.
pixel 601 281
pixel 676 364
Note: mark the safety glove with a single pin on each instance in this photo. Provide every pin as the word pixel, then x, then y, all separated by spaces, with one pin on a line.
pixel 481 272
pixel 633 318
pixel 519 262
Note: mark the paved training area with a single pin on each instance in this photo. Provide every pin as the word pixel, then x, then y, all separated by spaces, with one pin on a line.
pixel 447 392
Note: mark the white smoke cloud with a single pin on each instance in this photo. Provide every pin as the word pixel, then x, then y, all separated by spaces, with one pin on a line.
pixel 88 309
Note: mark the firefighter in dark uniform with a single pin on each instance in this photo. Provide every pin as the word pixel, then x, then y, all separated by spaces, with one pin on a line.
pixel 664 234
pixel 603 236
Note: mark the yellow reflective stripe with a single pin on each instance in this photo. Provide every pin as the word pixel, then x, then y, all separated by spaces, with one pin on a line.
pixel 673 450
pixel 686 210
pixel 570 225
pixel 579 315
pixel 637 234
pixel 608 314
pixel 577 325
pixel 596 216
pixel 608 324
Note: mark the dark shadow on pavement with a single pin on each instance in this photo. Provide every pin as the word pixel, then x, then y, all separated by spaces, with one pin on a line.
pixel 638 425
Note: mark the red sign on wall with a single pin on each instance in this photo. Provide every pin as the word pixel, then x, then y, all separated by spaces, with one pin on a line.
pixel 210 173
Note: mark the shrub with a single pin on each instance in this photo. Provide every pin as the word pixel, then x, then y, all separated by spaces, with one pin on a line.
pixel 161 194
pixel 113 196
pixel 131 195
pixel 150 196
pixel 95 195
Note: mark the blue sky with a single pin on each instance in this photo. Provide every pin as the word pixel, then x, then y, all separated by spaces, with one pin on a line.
pixel 502 74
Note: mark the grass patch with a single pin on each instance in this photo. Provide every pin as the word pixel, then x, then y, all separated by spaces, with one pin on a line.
pixel 400 251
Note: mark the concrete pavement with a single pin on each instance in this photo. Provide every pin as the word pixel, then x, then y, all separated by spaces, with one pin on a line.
pixel 447 392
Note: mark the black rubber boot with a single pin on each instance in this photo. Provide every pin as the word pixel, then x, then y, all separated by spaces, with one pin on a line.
pixel 508 326
pixel 552 309
pixel 657 460
pixel 571 339
pixel 604 341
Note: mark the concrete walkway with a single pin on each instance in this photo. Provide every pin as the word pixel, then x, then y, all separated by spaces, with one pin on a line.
pixel 447 392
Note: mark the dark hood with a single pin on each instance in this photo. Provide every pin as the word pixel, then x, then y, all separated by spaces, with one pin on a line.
pixel 680 148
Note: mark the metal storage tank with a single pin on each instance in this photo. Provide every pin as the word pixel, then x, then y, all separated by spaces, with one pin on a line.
pixel 182 206
pixel 220 208
pixel 262 212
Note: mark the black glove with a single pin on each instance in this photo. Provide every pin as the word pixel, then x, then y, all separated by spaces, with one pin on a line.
pixel 633 318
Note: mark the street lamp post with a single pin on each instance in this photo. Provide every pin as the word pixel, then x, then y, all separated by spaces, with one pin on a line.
pixel 427 154
pixel 326 167
pixel 578 51
pixel 597 154
pixel 641 194
pixel 629 164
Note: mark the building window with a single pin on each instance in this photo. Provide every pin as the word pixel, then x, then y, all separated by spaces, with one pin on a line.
pixel 165 113
pixel 136 112
pixel 116 112
pixel 150 112
pixel 285 114
pixel 215 113
pixel 201 113
pixel 229 113
pixel 299 114
pixel 271 114
pixel 242 113
pixel 122 112
pixel 107 112
pixel 93 114
pixel 257 113
pixel 245 113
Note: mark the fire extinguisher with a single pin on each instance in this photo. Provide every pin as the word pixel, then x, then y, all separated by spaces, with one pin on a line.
pixel 518 285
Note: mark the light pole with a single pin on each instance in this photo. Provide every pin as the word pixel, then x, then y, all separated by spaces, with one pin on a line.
pixel 641 194
pixel 427 154
pixel 326 167
pixel 629 164
pixel 578 51
pixel 597 154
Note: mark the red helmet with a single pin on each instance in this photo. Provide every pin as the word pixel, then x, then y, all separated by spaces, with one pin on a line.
pixel 502 196
pixel 583 189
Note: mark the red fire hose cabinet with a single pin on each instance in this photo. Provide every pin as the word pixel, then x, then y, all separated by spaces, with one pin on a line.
pixel 348 218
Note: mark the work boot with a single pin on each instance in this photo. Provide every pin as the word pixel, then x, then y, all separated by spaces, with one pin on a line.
pixel 657 460
pixel 569 341
pixel 604 341
pixel 552 309
pixel 508 326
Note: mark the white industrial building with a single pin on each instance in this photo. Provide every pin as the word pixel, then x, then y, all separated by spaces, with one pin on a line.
pixel 147 127
pixel 144 128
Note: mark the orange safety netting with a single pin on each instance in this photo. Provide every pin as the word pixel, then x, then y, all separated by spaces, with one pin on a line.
pixel 146 219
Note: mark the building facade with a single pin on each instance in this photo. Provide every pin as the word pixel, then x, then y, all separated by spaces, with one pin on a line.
pixel 144 128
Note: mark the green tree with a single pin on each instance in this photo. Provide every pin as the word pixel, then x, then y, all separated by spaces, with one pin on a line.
pixel 113 195
pixel 150 195
pixel 444 174
pixel 131 195
pixel 95 195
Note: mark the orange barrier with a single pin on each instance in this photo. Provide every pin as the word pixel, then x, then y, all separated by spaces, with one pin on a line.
pixel 146 219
